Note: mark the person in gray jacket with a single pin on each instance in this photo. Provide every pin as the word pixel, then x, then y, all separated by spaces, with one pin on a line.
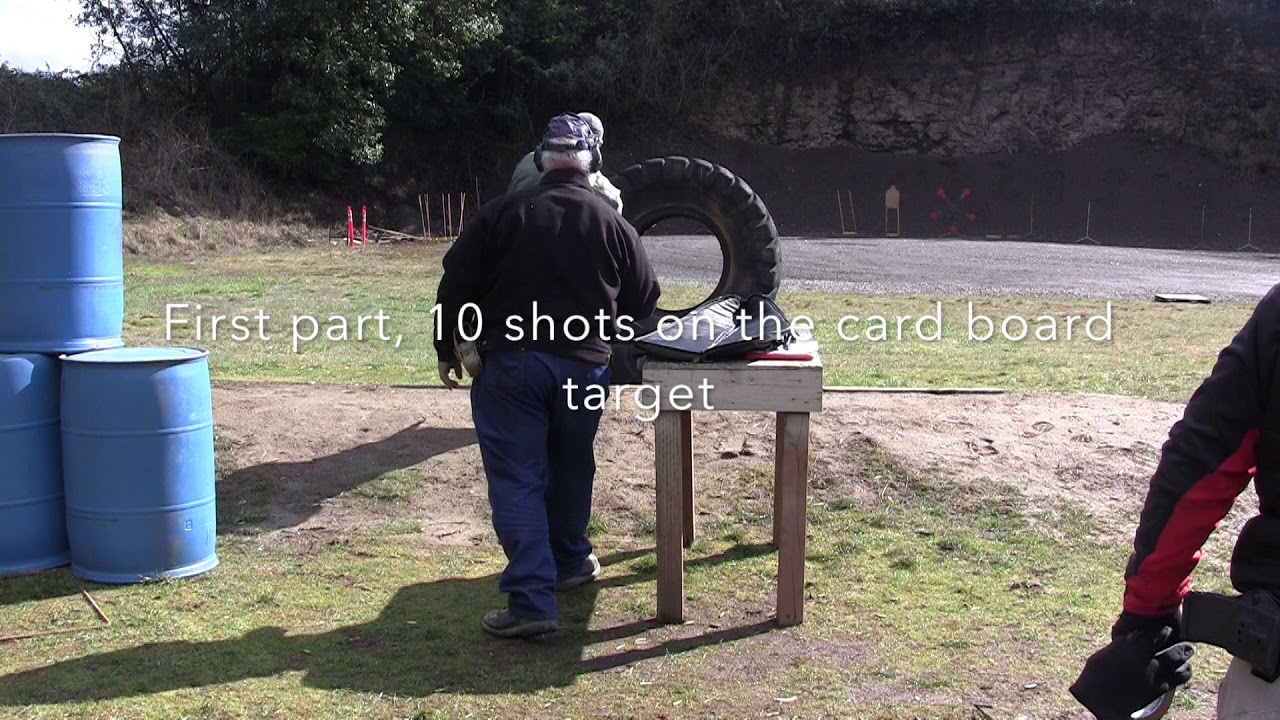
pixel 527 173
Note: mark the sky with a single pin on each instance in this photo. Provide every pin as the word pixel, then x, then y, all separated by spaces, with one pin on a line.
pixel 39 33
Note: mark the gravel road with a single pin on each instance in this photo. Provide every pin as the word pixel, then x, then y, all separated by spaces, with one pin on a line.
pixel 983 268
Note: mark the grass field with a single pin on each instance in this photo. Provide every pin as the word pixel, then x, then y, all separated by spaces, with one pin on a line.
pixel 927 601
pixel 366 316
pixel 930 603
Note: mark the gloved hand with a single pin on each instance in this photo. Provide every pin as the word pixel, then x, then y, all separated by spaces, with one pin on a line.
pixel 1128 623
pixel 1135 669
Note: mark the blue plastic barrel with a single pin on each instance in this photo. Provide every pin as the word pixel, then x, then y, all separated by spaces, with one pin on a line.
pixel 137 449
pixel 33 526
pixel 62 273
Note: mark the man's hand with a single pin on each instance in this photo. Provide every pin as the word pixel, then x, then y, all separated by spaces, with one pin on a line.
pixel 445 367
pixel 1132 672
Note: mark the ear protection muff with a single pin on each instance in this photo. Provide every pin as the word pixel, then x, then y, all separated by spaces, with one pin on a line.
pixel 596 159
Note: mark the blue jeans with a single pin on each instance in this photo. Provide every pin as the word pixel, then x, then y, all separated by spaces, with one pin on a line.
pixel 537 443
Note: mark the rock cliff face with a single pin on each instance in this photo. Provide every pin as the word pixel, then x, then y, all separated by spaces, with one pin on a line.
pixel 1146 135
pixel 1031 92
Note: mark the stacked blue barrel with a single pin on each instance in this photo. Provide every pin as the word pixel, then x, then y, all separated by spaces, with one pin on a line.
pixel 108 449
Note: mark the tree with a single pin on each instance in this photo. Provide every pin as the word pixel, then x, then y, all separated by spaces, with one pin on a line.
pixel 300 87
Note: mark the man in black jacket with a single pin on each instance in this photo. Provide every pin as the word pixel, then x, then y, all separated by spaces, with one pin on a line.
pixel 556 274
pixel 1226 437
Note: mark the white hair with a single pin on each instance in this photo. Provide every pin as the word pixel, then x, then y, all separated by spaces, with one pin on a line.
pixel 566 159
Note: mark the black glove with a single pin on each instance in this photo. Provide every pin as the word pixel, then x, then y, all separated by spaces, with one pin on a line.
pixel 1132 672
pixel 1129 623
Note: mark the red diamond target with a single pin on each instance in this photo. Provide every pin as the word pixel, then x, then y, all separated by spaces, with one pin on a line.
pixel 953 216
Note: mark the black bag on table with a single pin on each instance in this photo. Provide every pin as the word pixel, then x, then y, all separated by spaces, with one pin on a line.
pixel 626 363
pixel 723 328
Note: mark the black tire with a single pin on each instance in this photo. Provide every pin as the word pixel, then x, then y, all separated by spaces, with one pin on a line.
pixel 673 187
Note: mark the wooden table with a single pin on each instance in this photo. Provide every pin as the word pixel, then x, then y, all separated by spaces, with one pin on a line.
pixel 791 389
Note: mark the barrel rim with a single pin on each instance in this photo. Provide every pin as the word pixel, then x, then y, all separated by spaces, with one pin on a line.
pixel 131 577
pixel 32 356
pixel 61 136
pixel 60 557
pixel 57 346
pixel 137 355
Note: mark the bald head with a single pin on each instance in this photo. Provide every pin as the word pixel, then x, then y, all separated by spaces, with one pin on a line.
pixel 597 127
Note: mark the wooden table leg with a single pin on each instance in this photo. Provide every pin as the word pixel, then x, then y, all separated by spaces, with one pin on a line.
pixel 686 473
pixel 669 451
pixel 790 492
pixel 778 455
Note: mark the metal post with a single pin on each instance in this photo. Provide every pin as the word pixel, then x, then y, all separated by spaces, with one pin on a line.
pixel 1248 245
pixel 1088 219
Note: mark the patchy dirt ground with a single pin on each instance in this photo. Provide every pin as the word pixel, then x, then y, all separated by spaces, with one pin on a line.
pixel 300 461
pixel 304 466
pixel 309 449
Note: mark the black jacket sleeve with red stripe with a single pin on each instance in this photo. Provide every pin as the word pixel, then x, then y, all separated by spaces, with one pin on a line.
pixel 1206 463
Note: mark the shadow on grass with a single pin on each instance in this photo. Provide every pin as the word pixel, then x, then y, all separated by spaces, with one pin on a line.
pixel 417 646
pixel 46 585
pixel 273 495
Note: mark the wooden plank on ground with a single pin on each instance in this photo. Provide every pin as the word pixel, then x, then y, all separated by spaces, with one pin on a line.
pixel 1181 297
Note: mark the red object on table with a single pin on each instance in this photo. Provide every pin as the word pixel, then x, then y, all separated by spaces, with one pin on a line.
pixel 777 355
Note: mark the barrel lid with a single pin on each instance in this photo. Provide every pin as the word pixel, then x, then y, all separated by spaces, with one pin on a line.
pixel 61 136
pixel 137 355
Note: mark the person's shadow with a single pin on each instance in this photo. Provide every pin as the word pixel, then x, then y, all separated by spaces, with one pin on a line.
pixel 272 495
pixel 427 640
